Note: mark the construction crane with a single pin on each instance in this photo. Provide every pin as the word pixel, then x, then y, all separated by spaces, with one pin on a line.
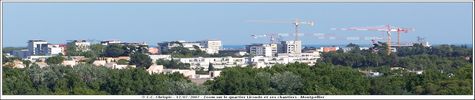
pixel 386 28
pixel 297 23
pixel 273 37
pixel 399 31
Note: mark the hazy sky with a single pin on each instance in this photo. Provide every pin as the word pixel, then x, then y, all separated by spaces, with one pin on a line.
pixel 447 23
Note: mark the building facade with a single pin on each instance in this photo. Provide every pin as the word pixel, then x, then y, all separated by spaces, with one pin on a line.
pixel 107 42
pixel 20 53
pixel 209 46
pixel 218 62
pixel 81 45
pixel 37 47
pixel 54 49
pixel 291 46
pixel 261 49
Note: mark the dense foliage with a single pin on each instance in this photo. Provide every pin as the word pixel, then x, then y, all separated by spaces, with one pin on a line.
pixel 443 57
pixel 172 64
pixel 6 59
pixel 140 60
pixel 122 62
pixel 95 50
pixel 328 79
pixel 91 80
pixel 115 50
pixel 447 70
pixel 182 52
pixel 55 60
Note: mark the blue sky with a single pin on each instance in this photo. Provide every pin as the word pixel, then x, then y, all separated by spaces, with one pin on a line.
pixel 439 23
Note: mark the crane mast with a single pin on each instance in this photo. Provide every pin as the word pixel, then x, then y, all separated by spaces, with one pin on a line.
pixel 387 29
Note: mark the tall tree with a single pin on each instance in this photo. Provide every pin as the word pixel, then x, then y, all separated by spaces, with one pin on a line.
pixel 55 60
pixel 114 50
pixel 140 60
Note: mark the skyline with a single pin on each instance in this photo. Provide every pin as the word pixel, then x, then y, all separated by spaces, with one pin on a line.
pixel 229 22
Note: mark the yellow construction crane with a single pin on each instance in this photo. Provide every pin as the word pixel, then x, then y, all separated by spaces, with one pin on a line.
pixel 387 28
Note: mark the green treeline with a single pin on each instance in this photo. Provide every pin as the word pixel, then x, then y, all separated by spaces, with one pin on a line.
pixel 328 79
pixel 297 78
pixel 90 80
pixel 446 58
pixel 447 70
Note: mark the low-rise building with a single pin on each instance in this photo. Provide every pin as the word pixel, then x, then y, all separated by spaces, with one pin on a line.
pixel 235 52
pixel 209 46
pixel 64 48
pixel 15 64
pixel 153 50
pixel 156 57
pixel 81 45
pixel 114 65
pixel 284 58
pixel 115 59
pixel 185 72
pixel 329 49
pixel 54 49
pixel 374 74
pixel 108 42
pixel 99 63
pixel 218 62
pixel 71 63
pixel 20 53
pixel 214 74
pixel 38 58
pixel 155 69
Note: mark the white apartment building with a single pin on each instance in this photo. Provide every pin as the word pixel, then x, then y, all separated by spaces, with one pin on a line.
pixel 156 57
pixel 211 46
pixel 190 45
pixel 218 62
pixel 110 42
pixel 33 58
pixel 54 49
pixel 291 46
pixel 284 58
pixel 309 58
pixel 81 45
pixel 262 49
pixel 37 47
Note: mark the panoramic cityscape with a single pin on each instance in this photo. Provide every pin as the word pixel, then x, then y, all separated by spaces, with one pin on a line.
pixel 150 51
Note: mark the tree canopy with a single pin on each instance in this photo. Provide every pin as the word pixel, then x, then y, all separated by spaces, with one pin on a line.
pixel 55 60
pixel 172 64
pixel 140 60
pixel 85 79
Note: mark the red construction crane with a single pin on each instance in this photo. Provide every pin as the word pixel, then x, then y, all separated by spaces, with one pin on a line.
pixel 399 31
pixel 386 28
